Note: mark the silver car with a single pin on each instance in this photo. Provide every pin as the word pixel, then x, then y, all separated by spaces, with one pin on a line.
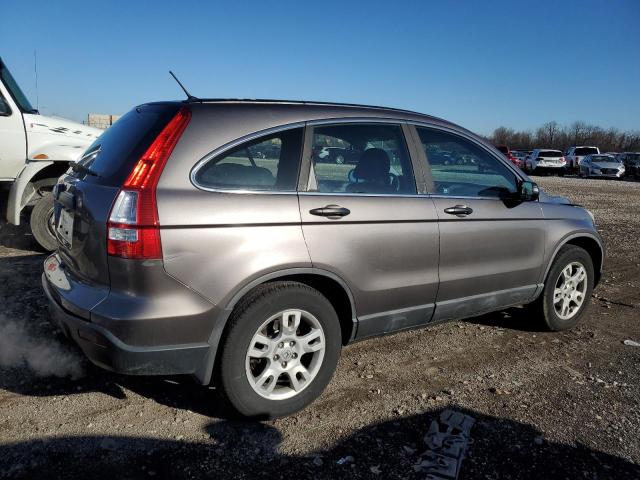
pixel 182 251
pixel 601 165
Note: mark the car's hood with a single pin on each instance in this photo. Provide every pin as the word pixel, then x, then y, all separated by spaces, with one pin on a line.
pixel 57 139
pixel 606 165
pixel 60 126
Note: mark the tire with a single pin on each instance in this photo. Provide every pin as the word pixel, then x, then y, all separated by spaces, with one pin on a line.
pixel 235 369
pixel 544 307
pixel 41 222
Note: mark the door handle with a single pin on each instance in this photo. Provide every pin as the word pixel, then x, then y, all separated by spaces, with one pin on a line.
pixel 459 210
pixel 331 211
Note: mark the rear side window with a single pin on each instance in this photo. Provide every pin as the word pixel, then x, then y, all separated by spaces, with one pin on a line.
pixel 360 158
pixel 120 147
pixel 267 163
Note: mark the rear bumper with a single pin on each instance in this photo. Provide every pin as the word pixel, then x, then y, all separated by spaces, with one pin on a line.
pixel 550 168
pixel 107 351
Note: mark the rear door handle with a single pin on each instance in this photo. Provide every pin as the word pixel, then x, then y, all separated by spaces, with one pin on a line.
pixel 331 211
pixel 459 210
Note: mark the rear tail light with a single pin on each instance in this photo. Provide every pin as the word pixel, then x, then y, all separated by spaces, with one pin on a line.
pixel 563 160
pixel 134 227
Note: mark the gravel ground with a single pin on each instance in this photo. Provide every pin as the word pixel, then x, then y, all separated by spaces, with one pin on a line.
pixel 546 405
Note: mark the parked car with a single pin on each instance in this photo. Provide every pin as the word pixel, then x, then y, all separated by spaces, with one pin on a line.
pixel 546 161
pixel 177 255
pixel 338 155
pixel 631 162
pixel 521 155
pixel 507 153
pixel 601 166
pixel 575 155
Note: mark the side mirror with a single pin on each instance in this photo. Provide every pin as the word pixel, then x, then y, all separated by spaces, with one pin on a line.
pixel 528 191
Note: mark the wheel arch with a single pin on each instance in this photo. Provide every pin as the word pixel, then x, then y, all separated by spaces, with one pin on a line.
pixel 22 189
pixel 590 243
pixel 328 283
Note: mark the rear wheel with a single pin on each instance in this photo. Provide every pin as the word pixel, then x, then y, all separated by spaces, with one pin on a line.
pixel 567 289
pixel 42 223
pixel 281 349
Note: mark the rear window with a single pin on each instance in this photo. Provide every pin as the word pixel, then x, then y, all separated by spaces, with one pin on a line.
pixel 585 151
pixel 633 157
pixel 120 147
pixel 550 154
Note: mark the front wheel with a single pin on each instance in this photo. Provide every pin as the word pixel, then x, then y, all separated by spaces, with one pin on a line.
pixel 281 349
pixel 567 290
pixel 42 223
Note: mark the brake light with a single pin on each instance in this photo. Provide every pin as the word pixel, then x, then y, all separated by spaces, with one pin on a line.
pixel 134 227
pixel 563 160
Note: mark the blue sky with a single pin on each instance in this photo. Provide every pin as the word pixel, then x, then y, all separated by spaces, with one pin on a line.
pixel 481 64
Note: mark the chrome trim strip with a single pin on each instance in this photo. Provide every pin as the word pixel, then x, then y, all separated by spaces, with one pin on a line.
pixel 350 194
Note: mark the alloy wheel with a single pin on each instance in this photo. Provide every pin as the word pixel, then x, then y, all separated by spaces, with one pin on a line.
pixel 570 290
pixel 285 354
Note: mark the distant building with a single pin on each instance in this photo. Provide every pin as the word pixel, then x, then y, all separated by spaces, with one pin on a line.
pixel 99 120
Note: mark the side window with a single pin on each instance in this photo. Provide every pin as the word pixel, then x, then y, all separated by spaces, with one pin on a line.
pixel 267 163
pixel 5 109
pixel 461 168
pixel 360 158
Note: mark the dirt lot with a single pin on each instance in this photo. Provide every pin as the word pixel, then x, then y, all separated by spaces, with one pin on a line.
pixel 546 405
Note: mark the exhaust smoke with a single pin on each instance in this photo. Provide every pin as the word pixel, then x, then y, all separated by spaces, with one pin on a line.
pixel 46 357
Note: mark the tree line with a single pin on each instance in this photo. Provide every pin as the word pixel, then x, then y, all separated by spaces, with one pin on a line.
pixel 556 136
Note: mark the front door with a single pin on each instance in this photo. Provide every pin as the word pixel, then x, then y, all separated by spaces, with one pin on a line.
pixel 491 249
pixel 363 220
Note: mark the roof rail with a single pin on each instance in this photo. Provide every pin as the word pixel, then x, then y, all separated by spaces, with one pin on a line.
pixel 299 102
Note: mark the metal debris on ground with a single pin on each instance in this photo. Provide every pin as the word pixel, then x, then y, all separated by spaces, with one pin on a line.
pixel 447 441
pixel 631 343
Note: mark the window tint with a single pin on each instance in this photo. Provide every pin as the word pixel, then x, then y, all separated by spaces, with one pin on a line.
pixel 462 168
pixel 120 147
pixel 362 158
pixel 585 150
pixel 549 153
pixel 266 163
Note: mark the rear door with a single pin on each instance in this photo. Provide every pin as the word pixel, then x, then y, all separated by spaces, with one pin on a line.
pixel 84 196
pixel 491 250
pixel 365 222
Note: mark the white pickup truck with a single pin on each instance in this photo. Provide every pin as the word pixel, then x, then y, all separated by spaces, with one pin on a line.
pixel 34 151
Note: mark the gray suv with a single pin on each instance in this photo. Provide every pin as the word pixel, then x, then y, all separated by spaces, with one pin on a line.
pixel 209 238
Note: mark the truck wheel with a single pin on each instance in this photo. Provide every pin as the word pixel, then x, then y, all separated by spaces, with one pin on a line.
pixel 42 225
pixel 281 349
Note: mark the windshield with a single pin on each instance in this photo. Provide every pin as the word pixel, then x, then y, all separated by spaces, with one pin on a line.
pixel 586 150
pixel 17 94
pixel 602 158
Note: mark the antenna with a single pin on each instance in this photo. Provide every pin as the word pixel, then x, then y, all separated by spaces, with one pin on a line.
pixel 190 98
pixel 35 69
